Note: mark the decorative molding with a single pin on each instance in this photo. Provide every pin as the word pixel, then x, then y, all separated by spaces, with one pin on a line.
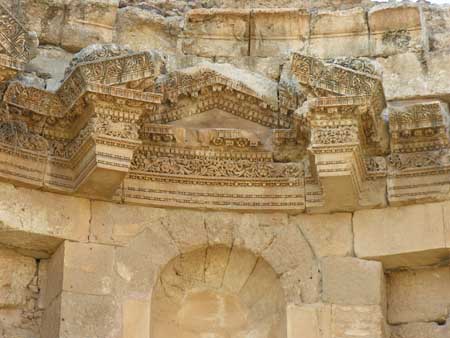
pixel 119 127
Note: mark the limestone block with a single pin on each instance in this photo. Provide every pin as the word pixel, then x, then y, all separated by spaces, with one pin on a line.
pixel 240 266
pixel 256 231
pixel 88 268
pixel 421 295
pixel 187 229
pixel 420 75
pixel 446 210
pixel 55 278
pixel 216 262
pixel 143 30
pixel 352 281
pixel 30 244
pixel 88 22
pixel 220 228
pixel 137 265
pixel 16 273
pixel 82 268
pixel 339 33
pixel 329 235
pixel 420 330
pixel 358 321
pixel 395 29
pixel 136 319
pixel 290 255
pixel 42 281
pixel 437 20
pixel 288 249
pixel 259 282
pixel 312 321
pixel 401 236
pixel 46 18
pixel 95 316
pixel 118 224
pixel 216 32
pixel 302 284
pixel 14 324
pixel 278 31
pixel 51 316
pixel 35 212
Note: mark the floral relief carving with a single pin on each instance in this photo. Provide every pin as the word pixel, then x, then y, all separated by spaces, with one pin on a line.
pixel 335 135
pixel 215 167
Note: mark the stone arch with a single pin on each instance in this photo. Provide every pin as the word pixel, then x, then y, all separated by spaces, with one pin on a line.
pixel 218 292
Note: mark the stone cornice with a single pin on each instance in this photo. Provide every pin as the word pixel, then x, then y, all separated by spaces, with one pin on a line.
pixel 119 128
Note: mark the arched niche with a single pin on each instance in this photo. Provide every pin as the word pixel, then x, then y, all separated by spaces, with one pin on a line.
pixel 218 292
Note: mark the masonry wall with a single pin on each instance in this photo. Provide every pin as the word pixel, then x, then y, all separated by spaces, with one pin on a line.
pixel 73 267
pixel 21 280
pixel 105 260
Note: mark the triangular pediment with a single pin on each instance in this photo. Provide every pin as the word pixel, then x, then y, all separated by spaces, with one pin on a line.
pixel 220 120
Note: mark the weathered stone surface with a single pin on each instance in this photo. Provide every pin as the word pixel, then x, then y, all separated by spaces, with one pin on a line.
pixel 37 213
pixel 329 235
pixel 88 22
pixel 420 74
pixel 312 321
pixel 437 22
pixel 16 273
pixel 135 318
pixel 337 33
pixel 79 324
pixel 396 29
pixel 88 268
pixel 274 32
pixel 352 281
pixel 143 29
pixel 401 236
pixel 50 64
pixel 446 210
pixel 216 32
pixel 421 295
pixel 137 265
pixel 357 321
pixel 118 224
pixel 46 18
pixel 420 330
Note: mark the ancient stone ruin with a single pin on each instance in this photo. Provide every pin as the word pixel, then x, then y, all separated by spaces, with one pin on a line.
pixel 224 169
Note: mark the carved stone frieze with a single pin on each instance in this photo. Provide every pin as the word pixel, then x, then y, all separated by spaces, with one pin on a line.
pixel 16 45
pixel 343 114
pixel 213 135
pixel 419 148
pixel 218 168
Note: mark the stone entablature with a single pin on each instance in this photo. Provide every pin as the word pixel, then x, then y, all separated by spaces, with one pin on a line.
pixel 213 136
